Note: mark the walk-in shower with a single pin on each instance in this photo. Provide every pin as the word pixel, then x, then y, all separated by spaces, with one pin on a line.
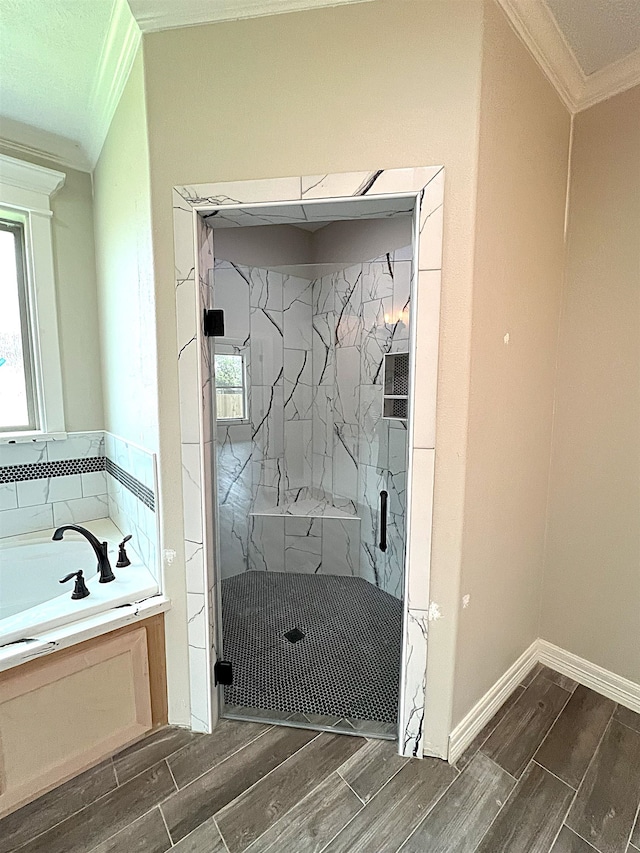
pixel 311 396
pixel 307 458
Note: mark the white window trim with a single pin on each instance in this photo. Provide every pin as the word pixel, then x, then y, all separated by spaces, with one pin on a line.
pixel 26 190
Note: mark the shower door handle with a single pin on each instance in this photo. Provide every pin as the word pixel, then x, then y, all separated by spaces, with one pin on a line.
pixel 383 520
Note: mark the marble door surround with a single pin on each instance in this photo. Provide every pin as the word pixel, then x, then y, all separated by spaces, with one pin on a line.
pixel 320 197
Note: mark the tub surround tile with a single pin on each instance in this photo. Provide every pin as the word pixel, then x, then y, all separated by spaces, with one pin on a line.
pixel 8 496
pixel 49 490
pixel 23 453
pixel 41 470
pixel 78 445
pixel 79 510
pixel 94 483
pixel 13 522
pixel 52 485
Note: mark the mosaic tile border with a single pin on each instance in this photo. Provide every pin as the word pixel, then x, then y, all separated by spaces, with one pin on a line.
pixel 142 492
pixel 87 465
pixel 40 470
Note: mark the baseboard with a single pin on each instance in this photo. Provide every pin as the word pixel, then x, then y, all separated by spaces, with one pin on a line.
pixel 482 711
pixel 589 674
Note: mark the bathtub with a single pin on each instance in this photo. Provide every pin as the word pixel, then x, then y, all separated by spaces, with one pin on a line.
pixel 32 601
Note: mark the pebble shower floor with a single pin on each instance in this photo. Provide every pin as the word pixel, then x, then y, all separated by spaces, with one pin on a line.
pixel 346 665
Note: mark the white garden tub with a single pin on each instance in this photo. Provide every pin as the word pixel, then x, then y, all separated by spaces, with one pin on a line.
pixel 33 602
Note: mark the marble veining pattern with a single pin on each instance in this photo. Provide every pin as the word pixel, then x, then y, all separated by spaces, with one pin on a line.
pixel 427 185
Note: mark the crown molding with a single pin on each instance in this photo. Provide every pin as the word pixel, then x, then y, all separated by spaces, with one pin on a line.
pixel 118 53
pixel 151 18
pixel 611 80
pixel 537 28
pixel 27 176
pixel 25 141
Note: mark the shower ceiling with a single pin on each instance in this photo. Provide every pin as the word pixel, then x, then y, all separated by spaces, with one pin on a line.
pixel 309 214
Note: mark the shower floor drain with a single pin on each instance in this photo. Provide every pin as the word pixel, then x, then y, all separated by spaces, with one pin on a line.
pixel 294 635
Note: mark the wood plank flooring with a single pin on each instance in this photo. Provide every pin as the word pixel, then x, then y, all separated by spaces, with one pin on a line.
pixel 556 771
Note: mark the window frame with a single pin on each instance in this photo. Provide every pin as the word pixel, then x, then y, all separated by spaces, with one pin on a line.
pixel 15 226
pixel 226 347
pixel 25 198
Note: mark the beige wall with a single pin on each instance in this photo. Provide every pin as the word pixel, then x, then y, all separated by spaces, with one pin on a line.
pixel 522 170
pixel 384 84
pixel 74 262
pixel 125 271
pixel 592 562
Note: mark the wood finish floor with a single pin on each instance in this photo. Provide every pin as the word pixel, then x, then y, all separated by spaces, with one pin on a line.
pixel 557 770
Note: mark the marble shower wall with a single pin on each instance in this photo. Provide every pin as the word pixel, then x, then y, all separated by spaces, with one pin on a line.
pixel 315 441
pixel 268 317
pixel 360 314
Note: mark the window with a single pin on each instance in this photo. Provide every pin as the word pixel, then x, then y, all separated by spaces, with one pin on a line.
pixel 231 391
pixel 31 402
pixel 16 377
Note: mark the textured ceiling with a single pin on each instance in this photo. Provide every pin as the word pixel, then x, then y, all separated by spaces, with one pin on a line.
pixel 51 52
pixel 599 32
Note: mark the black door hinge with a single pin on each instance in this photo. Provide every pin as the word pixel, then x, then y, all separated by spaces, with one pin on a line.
pixel 213 323
pixel 223 672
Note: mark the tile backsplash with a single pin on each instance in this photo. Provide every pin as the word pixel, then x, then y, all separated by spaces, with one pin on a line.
pixel 79 479
pixel 131 491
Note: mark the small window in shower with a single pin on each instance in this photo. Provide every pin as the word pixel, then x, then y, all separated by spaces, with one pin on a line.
pixel 231 384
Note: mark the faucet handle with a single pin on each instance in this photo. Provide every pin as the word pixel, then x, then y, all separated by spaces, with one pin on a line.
pixel 80 589
pixel 123 560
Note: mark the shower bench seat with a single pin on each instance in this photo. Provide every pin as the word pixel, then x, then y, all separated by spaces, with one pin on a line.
pixel 308 508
